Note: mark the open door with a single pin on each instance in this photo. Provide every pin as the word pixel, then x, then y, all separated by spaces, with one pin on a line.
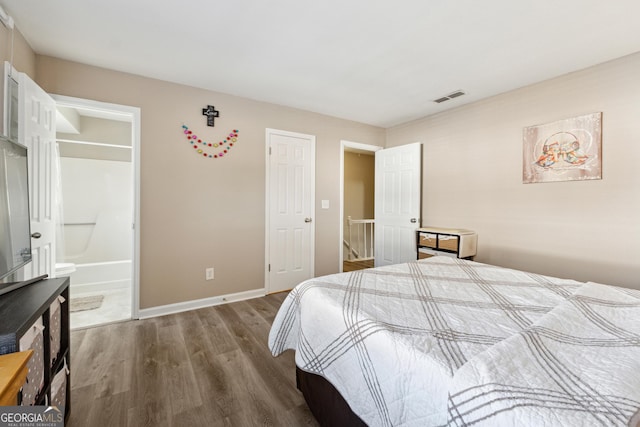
pixel 37 130
pixel 397 203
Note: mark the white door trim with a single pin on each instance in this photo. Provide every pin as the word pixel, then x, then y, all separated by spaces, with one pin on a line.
pixel 312 138
pixel 134 114
pixel 9 73
pixel 358 146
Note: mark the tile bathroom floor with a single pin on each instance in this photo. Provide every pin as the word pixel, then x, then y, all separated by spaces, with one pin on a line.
pixel 115 307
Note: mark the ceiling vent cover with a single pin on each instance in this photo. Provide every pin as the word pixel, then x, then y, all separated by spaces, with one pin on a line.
pixel 450 96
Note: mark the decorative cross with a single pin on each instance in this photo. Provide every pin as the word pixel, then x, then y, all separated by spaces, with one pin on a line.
pixel 211 114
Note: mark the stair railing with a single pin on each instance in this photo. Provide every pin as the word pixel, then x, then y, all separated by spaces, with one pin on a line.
pixel 360 239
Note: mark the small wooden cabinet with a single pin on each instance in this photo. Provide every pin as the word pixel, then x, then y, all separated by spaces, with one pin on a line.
pixel 454 242
pixel 13 373
pixel 39 313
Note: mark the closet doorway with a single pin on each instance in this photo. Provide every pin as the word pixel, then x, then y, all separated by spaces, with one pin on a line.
pixel 98 146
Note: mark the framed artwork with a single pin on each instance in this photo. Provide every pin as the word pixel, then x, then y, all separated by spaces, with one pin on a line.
pixel 566 150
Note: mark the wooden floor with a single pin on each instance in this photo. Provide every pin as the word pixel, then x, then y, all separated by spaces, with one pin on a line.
pixel 356 265
pixel 207 367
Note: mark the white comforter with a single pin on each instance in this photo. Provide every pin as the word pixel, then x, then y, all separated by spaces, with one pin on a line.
pixel 579 365
pixel 390 339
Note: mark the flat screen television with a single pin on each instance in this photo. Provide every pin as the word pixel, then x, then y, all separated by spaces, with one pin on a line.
pixel 15 230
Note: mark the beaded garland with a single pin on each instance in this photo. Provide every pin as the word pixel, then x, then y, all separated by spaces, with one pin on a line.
pixel 200 146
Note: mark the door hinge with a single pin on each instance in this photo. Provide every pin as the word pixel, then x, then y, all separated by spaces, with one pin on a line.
pixel 269 150
pixel 269 267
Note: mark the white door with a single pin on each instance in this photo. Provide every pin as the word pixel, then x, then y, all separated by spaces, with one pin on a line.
pixel 397 203
pixel 37 130
pixel 290 209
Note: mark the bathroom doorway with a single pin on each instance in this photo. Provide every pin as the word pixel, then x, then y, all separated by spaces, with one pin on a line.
pixel 98 186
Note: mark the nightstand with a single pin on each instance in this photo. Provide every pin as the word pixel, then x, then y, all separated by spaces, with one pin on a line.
pixel 453 242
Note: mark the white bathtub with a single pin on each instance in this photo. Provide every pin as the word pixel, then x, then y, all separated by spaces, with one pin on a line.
pixel 101 276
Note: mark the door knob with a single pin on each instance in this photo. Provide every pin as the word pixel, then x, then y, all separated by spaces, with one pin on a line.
pixel 36 235
pixel 414 220
pixel 308 220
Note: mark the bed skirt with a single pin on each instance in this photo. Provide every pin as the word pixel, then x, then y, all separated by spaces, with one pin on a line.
pixel 325 402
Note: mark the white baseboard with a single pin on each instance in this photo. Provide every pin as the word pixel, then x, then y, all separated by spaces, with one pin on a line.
pixel 163 310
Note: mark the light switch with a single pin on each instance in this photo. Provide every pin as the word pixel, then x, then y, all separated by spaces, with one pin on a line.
pixel 325 204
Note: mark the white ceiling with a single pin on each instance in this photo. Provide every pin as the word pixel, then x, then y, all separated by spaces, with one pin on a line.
pixel 379 62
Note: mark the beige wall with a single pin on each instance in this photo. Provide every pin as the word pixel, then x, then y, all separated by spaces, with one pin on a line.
pixel 359 191
pixel 196 212
pixel 24 59
pixel 359 183
pixel 472 177
pixel 98 130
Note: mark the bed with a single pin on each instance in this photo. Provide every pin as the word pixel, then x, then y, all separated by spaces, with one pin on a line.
pixel 444 341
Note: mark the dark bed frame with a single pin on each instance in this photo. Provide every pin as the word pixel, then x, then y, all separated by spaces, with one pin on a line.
pixel 325 402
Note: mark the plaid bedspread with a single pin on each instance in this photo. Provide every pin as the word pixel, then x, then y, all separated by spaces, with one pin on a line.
pixel 579 365
pixel 390 339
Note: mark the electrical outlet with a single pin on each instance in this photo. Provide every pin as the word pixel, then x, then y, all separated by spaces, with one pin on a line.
pixel 208 273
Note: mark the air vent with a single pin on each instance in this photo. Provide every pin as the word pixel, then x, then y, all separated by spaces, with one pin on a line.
pixel 450 96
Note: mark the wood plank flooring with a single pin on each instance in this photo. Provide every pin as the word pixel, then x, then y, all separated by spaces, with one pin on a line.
pixel 356 265
pixel 207 367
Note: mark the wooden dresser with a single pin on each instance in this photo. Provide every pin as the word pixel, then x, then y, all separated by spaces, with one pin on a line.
pixel 36 317
pixel 13 372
